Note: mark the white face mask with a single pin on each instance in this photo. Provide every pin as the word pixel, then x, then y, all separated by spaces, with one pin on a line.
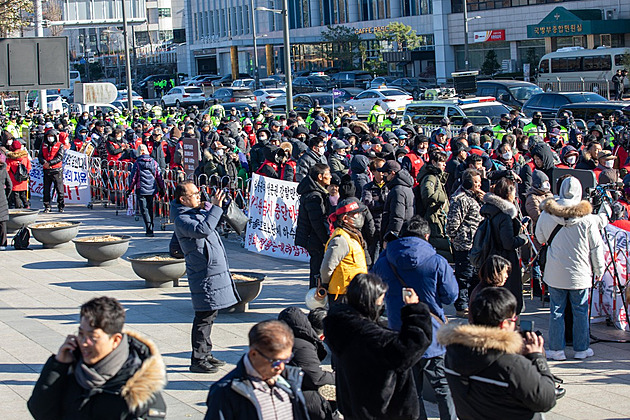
pixel 322 150
pixel 571 160
pixel 507 155
pixel 609 164
pixel 422 151
pixel 546 185
pixel 366 146
pixel 220 152
pixel 400 159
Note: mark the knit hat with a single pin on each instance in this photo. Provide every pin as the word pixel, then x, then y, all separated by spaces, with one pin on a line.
pixel 570 192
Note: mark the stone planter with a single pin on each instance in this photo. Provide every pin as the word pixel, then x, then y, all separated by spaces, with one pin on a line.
pixel 103 249
pixel 52 234
pixel 21 217
pixel 248 286
pixel 160 271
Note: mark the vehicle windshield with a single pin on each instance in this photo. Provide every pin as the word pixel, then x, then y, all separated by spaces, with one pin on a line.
pixel 523 93
pixel 393 92
pixel 324 99
pixel 194 90
pixel 585 97
pixel 492 111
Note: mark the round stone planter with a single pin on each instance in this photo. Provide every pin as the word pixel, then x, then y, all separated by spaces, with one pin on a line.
pixel 161 271
pixel 52 234
pixel 248 286
pixel 99 251
pixel 21 217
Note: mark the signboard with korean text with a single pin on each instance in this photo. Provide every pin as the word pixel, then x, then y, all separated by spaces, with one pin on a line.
pixel 75 178
pixel 190 152
pixel 487 36
pixel 273 213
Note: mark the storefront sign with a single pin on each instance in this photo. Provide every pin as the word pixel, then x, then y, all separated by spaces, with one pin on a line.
pixel 273 213
pixel 75 178
pixel 492 35
pixel 547 30
pixel 371 30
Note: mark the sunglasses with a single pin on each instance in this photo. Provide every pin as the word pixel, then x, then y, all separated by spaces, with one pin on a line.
pixel 275 363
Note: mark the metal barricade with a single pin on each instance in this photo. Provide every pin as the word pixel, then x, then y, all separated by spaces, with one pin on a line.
pixel 601 87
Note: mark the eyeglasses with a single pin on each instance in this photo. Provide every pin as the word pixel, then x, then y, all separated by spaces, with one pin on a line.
pixel 84 337
pixel 276 363
pixel 193 194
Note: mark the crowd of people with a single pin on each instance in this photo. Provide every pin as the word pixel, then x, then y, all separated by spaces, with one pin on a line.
pixel 395 218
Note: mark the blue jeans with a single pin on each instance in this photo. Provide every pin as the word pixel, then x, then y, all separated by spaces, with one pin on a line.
pixel 579 304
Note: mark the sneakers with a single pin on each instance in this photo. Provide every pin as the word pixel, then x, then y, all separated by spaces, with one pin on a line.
pixel 47 210
pixel 214 361
pixel 556 355
pixel 584 354
pixel 203 366
pixel 149 233
pixel 60 210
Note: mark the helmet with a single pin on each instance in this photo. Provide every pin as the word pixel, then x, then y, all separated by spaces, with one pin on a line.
pixel 314 299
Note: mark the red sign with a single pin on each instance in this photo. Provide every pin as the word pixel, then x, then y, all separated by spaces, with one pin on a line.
pixel 486 36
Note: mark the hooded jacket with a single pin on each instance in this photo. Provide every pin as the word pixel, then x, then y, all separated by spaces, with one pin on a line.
pixel 489 379
pixel 399 205
pixel 360 177
pixel 13 160
pixel 145 176
pixel 425 271
pixel 306 162
pixel 463 219
pixel 132 393
pixel 432 205
pixel 577 250
pixel 312 230
pixel 543 151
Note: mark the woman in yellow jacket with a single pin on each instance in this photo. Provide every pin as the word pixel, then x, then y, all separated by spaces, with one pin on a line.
pixel 344 256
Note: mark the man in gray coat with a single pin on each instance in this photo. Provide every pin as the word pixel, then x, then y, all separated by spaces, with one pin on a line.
pixel 209 279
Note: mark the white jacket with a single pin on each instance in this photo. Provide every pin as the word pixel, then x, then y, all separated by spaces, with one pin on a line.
pixel 577 251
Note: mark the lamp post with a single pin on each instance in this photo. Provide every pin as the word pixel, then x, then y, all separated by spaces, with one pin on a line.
pixel 287 50
pixel 466 20
pixel 127 62
pixel 256 72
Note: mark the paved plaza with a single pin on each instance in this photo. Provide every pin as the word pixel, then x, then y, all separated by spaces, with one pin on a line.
pixel 41 290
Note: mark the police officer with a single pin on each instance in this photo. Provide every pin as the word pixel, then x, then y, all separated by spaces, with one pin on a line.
pixel 377 115
pixel 536 127
pixel 503 128
pixel 392 121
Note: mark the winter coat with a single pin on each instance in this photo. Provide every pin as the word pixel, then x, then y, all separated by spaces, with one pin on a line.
pixel 232 397
pixel 13 159
pixel 360 177
pixel 463 219
pixel 425 271
pixel 507 239
pixel 577 250
pixel 544 152
pixel 399 204
pixel 145 176
pixel 489 378
pixel 306 162
pixel 312 230
pixel 432 205
pixel 5 181
pixel 338 164
pixel 157 153
pixel 374 198
pixel 532 207
pixel 308 352
pixel 132 393
pixel 374 378
pixel 209 278
pixel 256 154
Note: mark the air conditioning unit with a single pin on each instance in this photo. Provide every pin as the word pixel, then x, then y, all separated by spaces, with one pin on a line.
pixel 610 14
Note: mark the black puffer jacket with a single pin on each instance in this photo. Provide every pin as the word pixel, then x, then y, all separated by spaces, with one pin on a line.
pixel 359 167
pixel 306 162
pixel 308 352
pixel 399 204
pixel 543 151
pixel 506 385
pixel 374 379
pixel 374 198
pixel 312 230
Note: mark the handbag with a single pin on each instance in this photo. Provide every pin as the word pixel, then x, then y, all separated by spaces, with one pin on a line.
pixel 542 254
pixel 235 217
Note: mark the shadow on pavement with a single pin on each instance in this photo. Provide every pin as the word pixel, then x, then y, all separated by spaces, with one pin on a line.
pixel 67 319
pixel 19 368
pixel 102 285
pixel 52 265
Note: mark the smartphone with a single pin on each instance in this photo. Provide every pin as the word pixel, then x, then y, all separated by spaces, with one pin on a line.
pixel 406 292
pixel 527 326
pixel 526 220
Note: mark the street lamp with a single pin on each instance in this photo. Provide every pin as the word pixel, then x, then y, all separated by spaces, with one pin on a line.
pixel 287 51
pixel 466 20
pixel 256 72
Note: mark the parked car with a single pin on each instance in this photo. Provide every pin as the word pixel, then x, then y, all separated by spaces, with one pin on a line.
pixel 355 78
pixel 390 99
pixel 311 84
pixel 415 86
pixel 586 110
pixel 303 102
pixel 482 111
pixel 268 95
pixel 248 83
pixel 122 95
pixel 122 104
pixel 512 93
pixel 227 79
pixel 348 93
pixel 234 94
pixel 269 82
pixel 379 82
pixel 205 80
pixel 184 96
pixel 548 103
pixel 93 108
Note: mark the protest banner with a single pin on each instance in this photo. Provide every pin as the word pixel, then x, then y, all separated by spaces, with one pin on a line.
pixel 75 178
pixel 273 213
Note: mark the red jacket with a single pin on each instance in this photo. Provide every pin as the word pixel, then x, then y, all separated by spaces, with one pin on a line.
pixel 13 159
pixel 416 164
pixel 49 153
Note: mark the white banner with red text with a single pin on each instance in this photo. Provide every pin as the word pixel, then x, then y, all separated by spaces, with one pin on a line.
pixel 75 178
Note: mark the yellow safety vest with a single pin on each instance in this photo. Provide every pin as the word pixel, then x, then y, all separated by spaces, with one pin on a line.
pixel 351 265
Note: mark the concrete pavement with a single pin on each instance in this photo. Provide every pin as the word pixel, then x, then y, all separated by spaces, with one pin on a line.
pixel 41 290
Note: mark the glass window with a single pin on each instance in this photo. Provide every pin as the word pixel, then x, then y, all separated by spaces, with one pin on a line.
pixel 559 100
pixel 618 60
pixel 558 65
pixel 544 66
pixel 452 112
pixel 574 64
pixel 547 101
pixel 164 12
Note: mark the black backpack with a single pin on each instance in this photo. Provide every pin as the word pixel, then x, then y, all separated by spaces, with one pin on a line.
pixel 483 243
pixel 21 173
pixel 22 238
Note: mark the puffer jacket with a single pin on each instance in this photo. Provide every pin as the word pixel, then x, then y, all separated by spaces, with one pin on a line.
pixel 374 197
pixel 577 250
pixel 432 205
pixel 145 176
pixel 399 204
pixel 306 162
pixel 535 197
pixel 360 176
pixel 312 230
pixel 338 164
pixel 463 219
pixel 490 379
pixel 544 152
pixel 13 159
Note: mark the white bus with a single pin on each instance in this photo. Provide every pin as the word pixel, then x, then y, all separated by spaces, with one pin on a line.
pixel 576 64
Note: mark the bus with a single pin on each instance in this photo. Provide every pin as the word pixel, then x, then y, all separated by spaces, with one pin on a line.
pixel 576 64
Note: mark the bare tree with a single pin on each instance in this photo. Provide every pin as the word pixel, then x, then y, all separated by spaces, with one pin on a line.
pixel 14 15
pixel 53 11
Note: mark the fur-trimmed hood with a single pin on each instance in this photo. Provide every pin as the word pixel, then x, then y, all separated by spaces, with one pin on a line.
pixel 564 214
pixel 500 203
pixel 148 380
pixel 364 128
pixel 17 155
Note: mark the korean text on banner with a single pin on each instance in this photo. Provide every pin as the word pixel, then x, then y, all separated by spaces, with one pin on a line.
pixel 273 214
pixel 75 178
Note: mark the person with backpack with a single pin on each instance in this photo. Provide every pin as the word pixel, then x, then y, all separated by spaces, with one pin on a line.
pixel 4 203
pixel 19 168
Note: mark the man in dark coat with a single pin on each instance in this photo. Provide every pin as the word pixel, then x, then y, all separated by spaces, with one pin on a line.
pixel 147 181
pixel 314 154
pixel 263 385
pixel 400 199
pixel 102 372
pixel 308 352
pixel 209 278
pixel 374 196
pixel 494 373
pixel 313 230
pixel 359 168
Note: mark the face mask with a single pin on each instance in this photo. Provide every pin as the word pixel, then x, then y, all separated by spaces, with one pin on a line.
pixel 507 155
pixel 571 160
pixel 262 139
pixel 545 185
pixel 609 164
pixel 422 151
pixel 536 121
pixel 220 152
pixel 487 145
pixel 400 159
pixel 504 124
pixel 525 146
pixel 321 150
pixel 50 139
pixel 366 147
pixel 358 220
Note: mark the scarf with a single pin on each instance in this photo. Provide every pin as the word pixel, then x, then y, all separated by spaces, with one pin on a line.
pixel 90 377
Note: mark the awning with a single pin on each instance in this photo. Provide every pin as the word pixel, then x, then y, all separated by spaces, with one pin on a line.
pixel 563 22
